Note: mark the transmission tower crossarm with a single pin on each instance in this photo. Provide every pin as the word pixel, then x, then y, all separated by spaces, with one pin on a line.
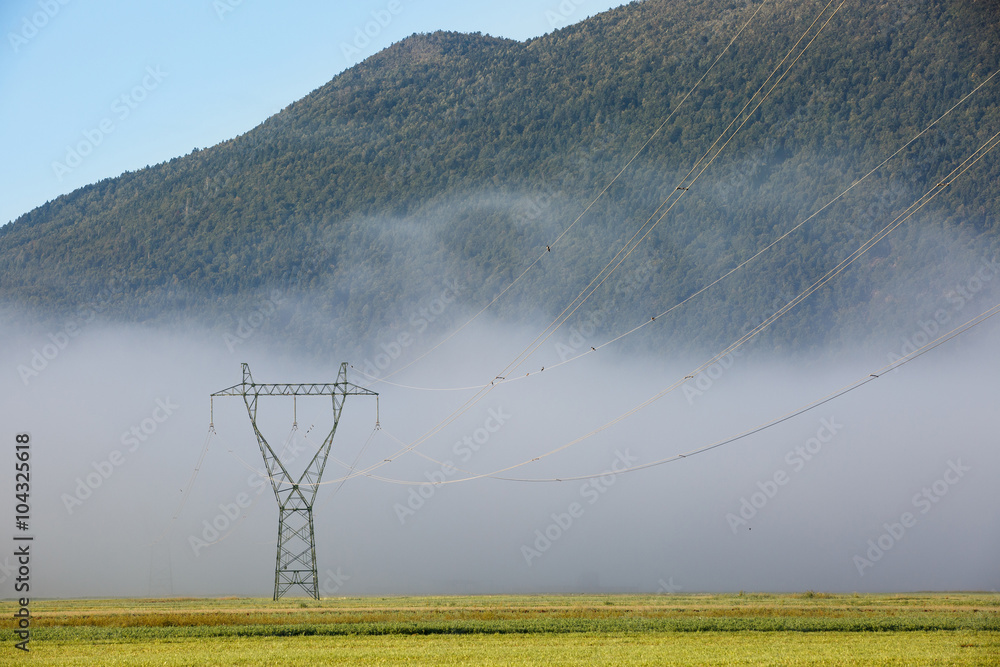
pixel 250 388
pixel 346 389
pixel 328 389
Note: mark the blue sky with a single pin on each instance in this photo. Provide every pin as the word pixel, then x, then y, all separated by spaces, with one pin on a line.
pixel 92 89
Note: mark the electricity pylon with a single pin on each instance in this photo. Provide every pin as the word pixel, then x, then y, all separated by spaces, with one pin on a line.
pixel 296 561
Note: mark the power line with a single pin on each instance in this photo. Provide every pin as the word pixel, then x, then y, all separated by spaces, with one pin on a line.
pixel 527 351
pixel 588 292
pixel 186 490
pixel 870 377
pixel 955 173
pixel 741 265
pixel 579 217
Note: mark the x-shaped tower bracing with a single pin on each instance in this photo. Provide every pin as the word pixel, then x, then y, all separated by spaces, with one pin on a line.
pixel 296 560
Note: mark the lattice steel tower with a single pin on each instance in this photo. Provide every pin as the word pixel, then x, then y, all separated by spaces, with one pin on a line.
pixel 296 561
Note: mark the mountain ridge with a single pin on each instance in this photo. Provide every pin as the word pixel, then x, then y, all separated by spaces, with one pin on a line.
pixel 462 155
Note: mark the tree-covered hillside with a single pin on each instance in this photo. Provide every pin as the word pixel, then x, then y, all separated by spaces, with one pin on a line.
pixel 460 157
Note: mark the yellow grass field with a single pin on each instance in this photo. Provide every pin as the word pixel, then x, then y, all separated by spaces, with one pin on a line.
pixel 756 629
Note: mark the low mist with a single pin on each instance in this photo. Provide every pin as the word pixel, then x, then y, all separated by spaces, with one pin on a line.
pixel 890 487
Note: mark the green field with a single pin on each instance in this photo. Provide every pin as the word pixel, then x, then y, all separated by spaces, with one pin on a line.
pixel 815 629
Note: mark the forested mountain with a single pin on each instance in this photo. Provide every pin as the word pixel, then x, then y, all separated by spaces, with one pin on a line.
pixel 461 156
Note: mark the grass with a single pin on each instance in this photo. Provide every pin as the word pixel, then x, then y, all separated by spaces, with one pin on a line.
pixel 810 628
pixel 709 648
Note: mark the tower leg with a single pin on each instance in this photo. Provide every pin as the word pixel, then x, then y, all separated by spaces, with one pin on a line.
pixel 296 558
